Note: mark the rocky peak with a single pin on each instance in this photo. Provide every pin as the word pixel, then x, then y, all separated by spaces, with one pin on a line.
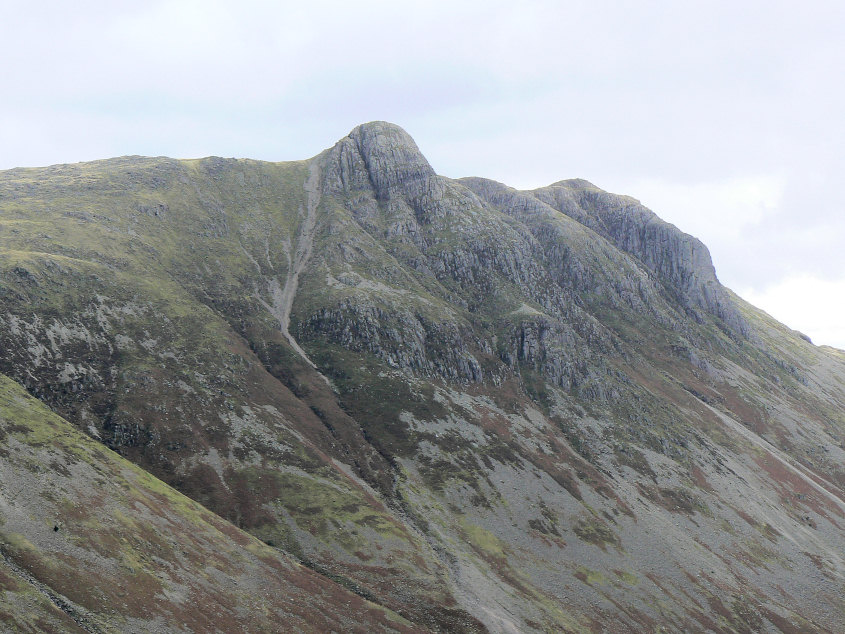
pixel 392 158
pixel 383 157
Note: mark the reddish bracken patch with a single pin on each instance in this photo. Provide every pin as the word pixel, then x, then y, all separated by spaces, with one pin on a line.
pixel 494 422
pixel 633 616
pixel 748 415
pixel 700 480
pixel 782 623
pixel 748 519
pixel 795 491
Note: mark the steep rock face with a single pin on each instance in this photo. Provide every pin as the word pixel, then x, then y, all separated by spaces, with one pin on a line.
pixel 578 259
pixel 478 407
pixel 385 158
pixel 676 256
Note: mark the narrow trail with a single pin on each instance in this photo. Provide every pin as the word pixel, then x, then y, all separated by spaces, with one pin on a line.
pixel 283 297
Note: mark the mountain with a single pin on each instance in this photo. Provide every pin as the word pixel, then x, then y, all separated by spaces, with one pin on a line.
pixel 442 405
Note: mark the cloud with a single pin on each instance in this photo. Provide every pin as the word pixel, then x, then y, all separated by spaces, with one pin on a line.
pixel 713 211
pixel 809 304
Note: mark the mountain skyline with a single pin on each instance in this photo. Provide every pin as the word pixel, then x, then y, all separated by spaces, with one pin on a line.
pixel 723 121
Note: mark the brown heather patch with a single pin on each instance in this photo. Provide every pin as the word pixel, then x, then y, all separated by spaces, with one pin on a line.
pixel 493 422
pixel 674 392
pixel 745 516
pixel 636 460
pixel 202 484
pixel 134 594
pixel 783 624
pixel 147 541
pixel 547 538
pixel 553 464
pixel 754 557
pixel 673 500
pixel 420 601
pixel 784 594
pixel 8 582
pixel 690 390
pixel 745 413
pixel 691 600
pixel 693 607
pixel 585 471
pixel 501 567
pixel 706 623
pixel 691 577
pixel 61 573
pixel 719 608
pixel 657 581
pixel 700 479
pixel 837 478
pixel 636 620
pixel 104 543
pixel 77 512
pixel 821 479
pixel 595 531
pixel 43 625
pixel 561 475
pixel 238 537
pixel 819 563
pixel 60 468
pixel 724 587
pixel 770 532
pixel 795 491
pixel 298 597
pixel 509 396
pixel 420 563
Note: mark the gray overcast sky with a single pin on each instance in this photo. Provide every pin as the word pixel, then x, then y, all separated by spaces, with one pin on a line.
pixel 726 118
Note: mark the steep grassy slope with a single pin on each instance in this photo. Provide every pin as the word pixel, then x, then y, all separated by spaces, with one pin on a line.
pixel 478 407
pixel 90 542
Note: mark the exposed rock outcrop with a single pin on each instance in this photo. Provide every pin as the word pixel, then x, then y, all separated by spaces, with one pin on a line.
pixel 678 258
pixel 382 156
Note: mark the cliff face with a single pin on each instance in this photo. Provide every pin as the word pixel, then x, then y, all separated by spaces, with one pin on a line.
pixel 680 259
pixel 476 407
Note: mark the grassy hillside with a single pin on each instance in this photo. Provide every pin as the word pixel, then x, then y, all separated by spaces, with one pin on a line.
pixel 90 542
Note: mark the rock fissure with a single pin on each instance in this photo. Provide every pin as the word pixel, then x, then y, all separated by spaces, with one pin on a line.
pixel 282 297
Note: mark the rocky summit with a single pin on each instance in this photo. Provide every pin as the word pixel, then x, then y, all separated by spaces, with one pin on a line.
pixel 348 394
